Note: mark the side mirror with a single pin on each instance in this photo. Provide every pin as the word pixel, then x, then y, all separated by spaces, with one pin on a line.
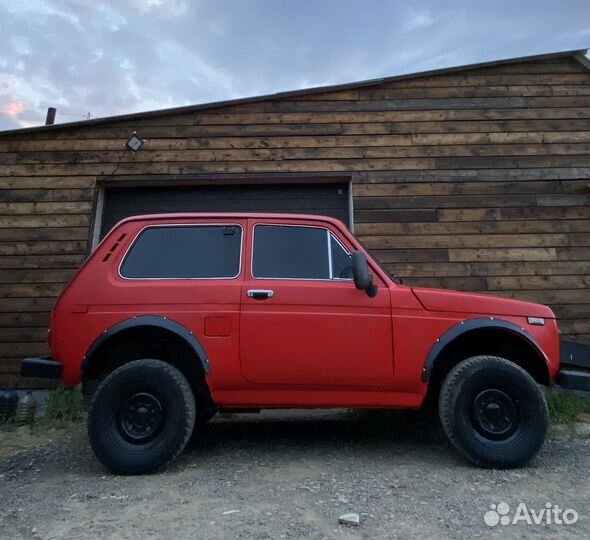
pixel 360 273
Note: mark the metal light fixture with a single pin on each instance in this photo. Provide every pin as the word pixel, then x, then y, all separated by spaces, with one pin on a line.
pixel 134 143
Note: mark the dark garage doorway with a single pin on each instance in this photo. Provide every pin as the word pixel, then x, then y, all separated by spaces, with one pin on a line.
pixel 330 199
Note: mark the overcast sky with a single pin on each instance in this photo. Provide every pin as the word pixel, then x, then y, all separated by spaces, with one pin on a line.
pixel 115 57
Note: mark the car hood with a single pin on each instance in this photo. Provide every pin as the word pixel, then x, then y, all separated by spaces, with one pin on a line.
pixel 482 304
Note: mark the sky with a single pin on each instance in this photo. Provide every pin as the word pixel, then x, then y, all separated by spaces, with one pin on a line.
pixel 93 58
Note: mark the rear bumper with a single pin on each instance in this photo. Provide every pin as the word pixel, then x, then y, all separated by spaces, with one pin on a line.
pixel 42 368
pixel 574 379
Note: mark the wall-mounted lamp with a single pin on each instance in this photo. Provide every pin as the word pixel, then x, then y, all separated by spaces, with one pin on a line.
pixel 134 143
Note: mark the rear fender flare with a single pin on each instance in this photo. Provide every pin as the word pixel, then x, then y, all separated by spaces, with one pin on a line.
pixel 155 321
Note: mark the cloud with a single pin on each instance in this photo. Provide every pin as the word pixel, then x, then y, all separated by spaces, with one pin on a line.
pixel 415 19
pixel 13 111
pixel 110 57
pixel 12 107
pixel 167 8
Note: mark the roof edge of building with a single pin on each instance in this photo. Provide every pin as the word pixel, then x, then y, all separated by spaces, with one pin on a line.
pixel 578 54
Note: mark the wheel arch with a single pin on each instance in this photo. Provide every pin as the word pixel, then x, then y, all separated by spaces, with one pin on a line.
pixel 488 336
pixel 148 336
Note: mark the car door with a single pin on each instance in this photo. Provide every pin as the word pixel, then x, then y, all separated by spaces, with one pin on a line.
pixel 302 320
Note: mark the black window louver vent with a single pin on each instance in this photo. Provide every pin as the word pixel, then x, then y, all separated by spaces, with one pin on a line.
pixel 114 247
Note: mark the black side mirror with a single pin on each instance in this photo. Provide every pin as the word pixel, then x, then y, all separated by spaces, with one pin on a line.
pixel 360 273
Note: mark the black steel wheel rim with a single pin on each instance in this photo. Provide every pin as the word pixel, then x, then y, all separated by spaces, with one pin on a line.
pixel 140 418
pixel 495 415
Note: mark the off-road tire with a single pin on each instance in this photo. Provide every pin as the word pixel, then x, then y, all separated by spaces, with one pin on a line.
pixel 109 432
pixel 464 411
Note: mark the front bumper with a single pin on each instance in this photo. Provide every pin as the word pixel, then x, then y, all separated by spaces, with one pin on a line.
pixel 574 379
pixel 575 366
pixel 42 368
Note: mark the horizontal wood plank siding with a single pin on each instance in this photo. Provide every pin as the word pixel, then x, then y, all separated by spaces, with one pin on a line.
pixel 476 180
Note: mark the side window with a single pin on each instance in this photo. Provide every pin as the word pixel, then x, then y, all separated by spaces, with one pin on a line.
pixel 185 252
pixel 341 260
pixel 291 252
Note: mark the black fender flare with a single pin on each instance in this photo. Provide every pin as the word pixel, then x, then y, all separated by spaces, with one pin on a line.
pixel 158 321
pixel 475 324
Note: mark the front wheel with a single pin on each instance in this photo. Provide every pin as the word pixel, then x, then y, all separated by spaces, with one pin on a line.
pixel 141 417
pixel 493 412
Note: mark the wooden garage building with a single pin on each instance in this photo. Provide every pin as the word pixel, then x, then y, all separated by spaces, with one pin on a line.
pixel 474 178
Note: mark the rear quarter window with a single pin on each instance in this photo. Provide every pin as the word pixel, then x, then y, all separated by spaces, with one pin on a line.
pixel 185 252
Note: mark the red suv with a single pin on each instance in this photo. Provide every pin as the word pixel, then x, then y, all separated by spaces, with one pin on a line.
pixel 177 316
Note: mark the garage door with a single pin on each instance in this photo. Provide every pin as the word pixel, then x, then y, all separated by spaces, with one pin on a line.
pixel 325 199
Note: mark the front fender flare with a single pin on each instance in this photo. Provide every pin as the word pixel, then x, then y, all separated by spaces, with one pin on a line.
pixel 158 321
pixel 475 324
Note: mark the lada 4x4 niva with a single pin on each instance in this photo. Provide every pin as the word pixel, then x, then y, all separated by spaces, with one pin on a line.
pixel 174 317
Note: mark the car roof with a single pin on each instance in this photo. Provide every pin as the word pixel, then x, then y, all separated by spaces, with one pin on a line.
pixel 187 216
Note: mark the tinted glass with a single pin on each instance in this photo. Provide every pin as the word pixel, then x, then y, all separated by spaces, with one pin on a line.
pixel 341 260
pixel 290 252
pixel 209 251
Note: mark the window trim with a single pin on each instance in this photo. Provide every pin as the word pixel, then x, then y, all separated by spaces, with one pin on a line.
pixel 328 235
pixel 330 262
pixel 185 225
pixel 332 235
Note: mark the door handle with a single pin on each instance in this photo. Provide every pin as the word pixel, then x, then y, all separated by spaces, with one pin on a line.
pixel 260 294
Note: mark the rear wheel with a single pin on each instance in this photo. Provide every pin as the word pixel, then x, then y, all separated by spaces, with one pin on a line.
pixel 493 412
pixel 141 417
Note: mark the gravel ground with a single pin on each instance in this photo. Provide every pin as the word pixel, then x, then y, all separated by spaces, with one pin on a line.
pixel 290 475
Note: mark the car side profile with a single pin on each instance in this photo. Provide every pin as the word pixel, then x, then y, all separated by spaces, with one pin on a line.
pixel 174 317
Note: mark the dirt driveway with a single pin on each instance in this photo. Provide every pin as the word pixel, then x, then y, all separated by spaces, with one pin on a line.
pixel 291 475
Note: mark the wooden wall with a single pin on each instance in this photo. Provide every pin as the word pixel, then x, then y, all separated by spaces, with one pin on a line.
pixel 475 180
